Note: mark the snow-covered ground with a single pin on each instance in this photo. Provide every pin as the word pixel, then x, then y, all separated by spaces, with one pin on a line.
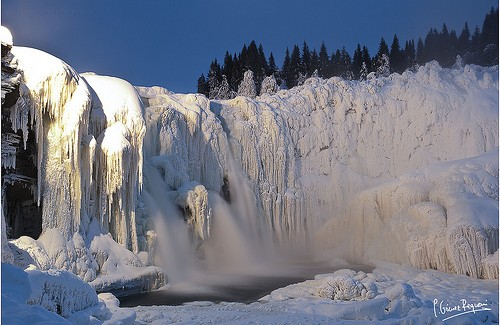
pixel 391 294
pixel 136 183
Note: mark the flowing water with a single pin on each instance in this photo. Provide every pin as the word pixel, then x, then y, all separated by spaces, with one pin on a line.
pixel 239 261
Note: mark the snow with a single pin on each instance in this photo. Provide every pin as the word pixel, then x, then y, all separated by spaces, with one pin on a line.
pixel 247 86
pixel 84 134
pixel 269 86
pixel 5 36
pixel 442 217
pixel 31 296
pixel 403 295
pixel 402 168
pixel 60 292
pixel 119 158
pixel 44 296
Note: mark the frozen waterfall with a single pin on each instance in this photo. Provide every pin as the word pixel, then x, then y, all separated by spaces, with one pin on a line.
pixel 109 181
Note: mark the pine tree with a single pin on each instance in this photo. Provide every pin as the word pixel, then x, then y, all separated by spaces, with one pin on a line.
pixel 410 55
pixel 223 91
pixel 286 74
pixel 203 85
pixel 236 74
pixel 383 49
pixel 363 72
pixel 301 78
pixel 214 79
pixel 489 39
pixel 442 46
pixel 367 59
pixel 383 66
pixel 396 57
pixel 357 61
pixel 269 86
pixel 273 69
pixel 489 32
pixel 252 60
pixel 336 69
pixel 262 67
pixel 463 43
pixel 431 45
pixel 345 65
pixel 324 62
pixel 472 55
pixel 247 86
pixel 306 59
pixel 314 62
pixel 243 58
pixel 228 67
pixel 452 46
pixel 295 67
pixel 458 62
pixel 421 59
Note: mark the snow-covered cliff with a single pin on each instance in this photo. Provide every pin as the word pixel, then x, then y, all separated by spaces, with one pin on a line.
pixel 125 178
pixel 74 169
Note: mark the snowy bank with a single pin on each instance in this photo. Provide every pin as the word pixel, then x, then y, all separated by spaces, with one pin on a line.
pixel 395 295
pixel 56 297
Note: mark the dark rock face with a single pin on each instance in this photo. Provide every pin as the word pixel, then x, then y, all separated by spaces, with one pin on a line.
pixel 22 214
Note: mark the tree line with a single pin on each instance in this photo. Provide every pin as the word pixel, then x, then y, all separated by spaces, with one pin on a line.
pixel 250 72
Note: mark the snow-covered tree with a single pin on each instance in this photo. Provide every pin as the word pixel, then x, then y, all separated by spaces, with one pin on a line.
pixel 247 86
pixel 214 76
pixel 301 79
pixel 459 63
pixel 363 73
pixel 383 66
pixel 224 91
pixel 269 85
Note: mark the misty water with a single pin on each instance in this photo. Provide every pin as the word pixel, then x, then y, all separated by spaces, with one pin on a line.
pixel 231 287
pixel 239 262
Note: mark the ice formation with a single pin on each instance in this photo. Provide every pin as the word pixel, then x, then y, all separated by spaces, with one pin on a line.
pixel 302 157
pixel 84 144
pixel 442 217
pixel 401 168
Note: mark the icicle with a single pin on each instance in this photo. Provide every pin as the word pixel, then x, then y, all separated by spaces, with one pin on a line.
pixel 9 151
pixel 58 103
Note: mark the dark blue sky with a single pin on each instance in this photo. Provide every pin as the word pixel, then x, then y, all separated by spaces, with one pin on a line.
pixel 170 43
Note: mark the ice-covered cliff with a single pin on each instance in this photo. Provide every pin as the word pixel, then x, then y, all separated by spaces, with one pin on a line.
pixel 305 157
pixel 72 170
pixel 106 180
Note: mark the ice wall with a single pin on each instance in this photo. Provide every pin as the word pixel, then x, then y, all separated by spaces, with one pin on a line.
pixel 306 153
pixel 443 217
pixel 88 133
pixel 310 149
